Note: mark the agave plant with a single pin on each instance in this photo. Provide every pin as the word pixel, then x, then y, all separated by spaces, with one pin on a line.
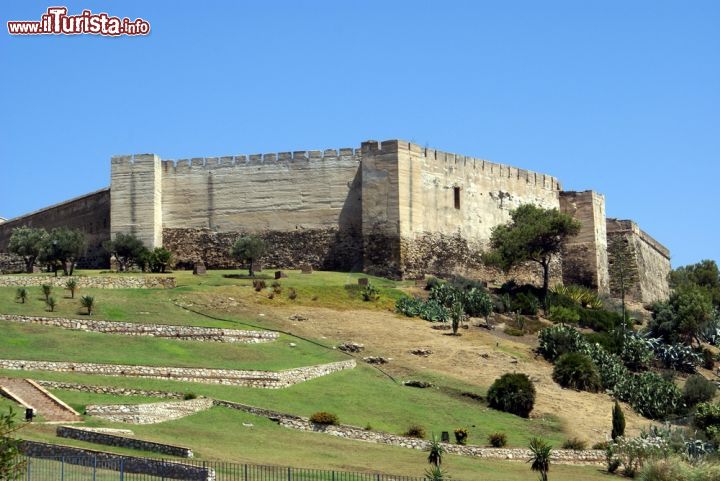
pixel 436 473
pixel 88 302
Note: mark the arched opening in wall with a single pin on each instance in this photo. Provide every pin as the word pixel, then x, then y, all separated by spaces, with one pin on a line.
pixel 456 196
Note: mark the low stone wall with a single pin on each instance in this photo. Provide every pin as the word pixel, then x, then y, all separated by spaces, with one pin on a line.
pixel 560 456
pixel 117 462
pixel 92 282
pixel 229 377
pixel 11 264
pixel 117 391
pixel 122 442
pixel 149 413
pixel 189 333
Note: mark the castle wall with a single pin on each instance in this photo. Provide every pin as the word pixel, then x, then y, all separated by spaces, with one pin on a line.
pixel 449 203
pixel 652 261
pixel 307 204
pixel 585 260
pixel 90 213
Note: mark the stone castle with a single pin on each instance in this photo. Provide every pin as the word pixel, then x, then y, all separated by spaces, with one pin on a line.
pixel 391 208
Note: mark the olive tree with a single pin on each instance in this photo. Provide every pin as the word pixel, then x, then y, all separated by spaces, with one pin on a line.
pixel 127 249
pixel 62 248
pixel 248 249
pixel 28 243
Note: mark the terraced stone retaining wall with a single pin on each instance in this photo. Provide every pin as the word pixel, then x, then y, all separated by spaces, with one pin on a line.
pixel 148 413
pixel 117 462
pixel 117 391
pixel 188 333
pixel 261 379
pixel 93 282
pixel 122 442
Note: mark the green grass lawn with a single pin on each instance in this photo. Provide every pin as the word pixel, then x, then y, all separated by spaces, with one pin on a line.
pixel 225 434
pixel 361 397
pixel 37 342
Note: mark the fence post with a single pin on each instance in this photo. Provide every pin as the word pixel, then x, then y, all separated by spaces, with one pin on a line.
pixel 62 468
pixel 246 473
pixel 29 469
pixel 95 467
pixel 333 476
pixel 122 469
pixel 377 477
pixel 289 474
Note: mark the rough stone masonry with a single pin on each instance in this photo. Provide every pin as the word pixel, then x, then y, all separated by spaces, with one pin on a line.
pixel 392 208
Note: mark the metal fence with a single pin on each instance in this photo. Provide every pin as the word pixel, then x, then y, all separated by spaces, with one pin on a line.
pixel 98 469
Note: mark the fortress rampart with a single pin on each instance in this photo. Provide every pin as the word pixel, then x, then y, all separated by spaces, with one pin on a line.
pixel 392 208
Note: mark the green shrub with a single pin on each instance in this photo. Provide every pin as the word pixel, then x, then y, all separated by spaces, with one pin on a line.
pixel 563 315
pixel 415 431
pixel 292 294
pixel 410 306
pixel 477 303
pixel 276 287
pixel 512 393
pixel 606 340
pixel 46 290
pixel 698 390
pixel 497 440
pixel 259 285
pixel 636 353
pixel 189 396
pixel 618 421
pixel 707 415
pixel 370 293
pixel 650 395
pixel 432 283
pixel 599 320
pixel 433 311
pixel 576 444
pixel 576 371
pixel 526 303
pixel 51 303
pixel 557 340
pixel 324 418
pixel 445 295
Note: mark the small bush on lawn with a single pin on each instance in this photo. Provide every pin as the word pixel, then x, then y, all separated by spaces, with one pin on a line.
pixel 576 371
pixel 415 431
pixel 432 283
pixel 259 285
pixel 477 303
pixel 599 320
pixel 324 418
pixel 189 396
pixel 292 294
pixel 497 440
pixel 698 390
pixel 576 444
pixel 276 287
pixel 512 393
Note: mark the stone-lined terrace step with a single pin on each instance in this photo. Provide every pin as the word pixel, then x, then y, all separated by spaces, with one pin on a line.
pixel 29 394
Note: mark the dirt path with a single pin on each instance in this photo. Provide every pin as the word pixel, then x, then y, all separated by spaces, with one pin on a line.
pixel 477 357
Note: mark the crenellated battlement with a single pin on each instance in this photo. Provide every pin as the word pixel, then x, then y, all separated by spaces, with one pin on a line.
pixel 488 168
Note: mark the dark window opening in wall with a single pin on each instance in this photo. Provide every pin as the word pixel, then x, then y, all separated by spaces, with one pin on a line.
pixel 456 194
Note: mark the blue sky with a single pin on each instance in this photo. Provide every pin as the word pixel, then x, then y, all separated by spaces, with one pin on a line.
pixel 616 96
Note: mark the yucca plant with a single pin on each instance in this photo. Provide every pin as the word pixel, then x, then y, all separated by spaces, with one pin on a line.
pixel 88 302
pixel 51 303
pixel 71 285
pixel 436 473
pixel 540 457
pixel 46 290
pixel 21 295
pixel 436 451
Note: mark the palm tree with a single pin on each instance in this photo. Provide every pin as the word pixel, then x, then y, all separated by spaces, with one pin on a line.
pixel 540 457
pixel 436 451
pixel 88 302
pixel 71 285
pixel 51 303
pixel 21 295
pixel 46 290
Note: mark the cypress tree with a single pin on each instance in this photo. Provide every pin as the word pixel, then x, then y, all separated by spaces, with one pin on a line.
pixel 618 421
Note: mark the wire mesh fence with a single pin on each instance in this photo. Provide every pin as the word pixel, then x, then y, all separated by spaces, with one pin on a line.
pixel 90 468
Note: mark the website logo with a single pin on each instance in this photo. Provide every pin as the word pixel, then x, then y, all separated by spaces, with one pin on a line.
pixel 56 21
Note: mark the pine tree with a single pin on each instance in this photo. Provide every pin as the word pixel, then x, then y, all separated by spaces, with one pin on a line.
pixel 622 267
